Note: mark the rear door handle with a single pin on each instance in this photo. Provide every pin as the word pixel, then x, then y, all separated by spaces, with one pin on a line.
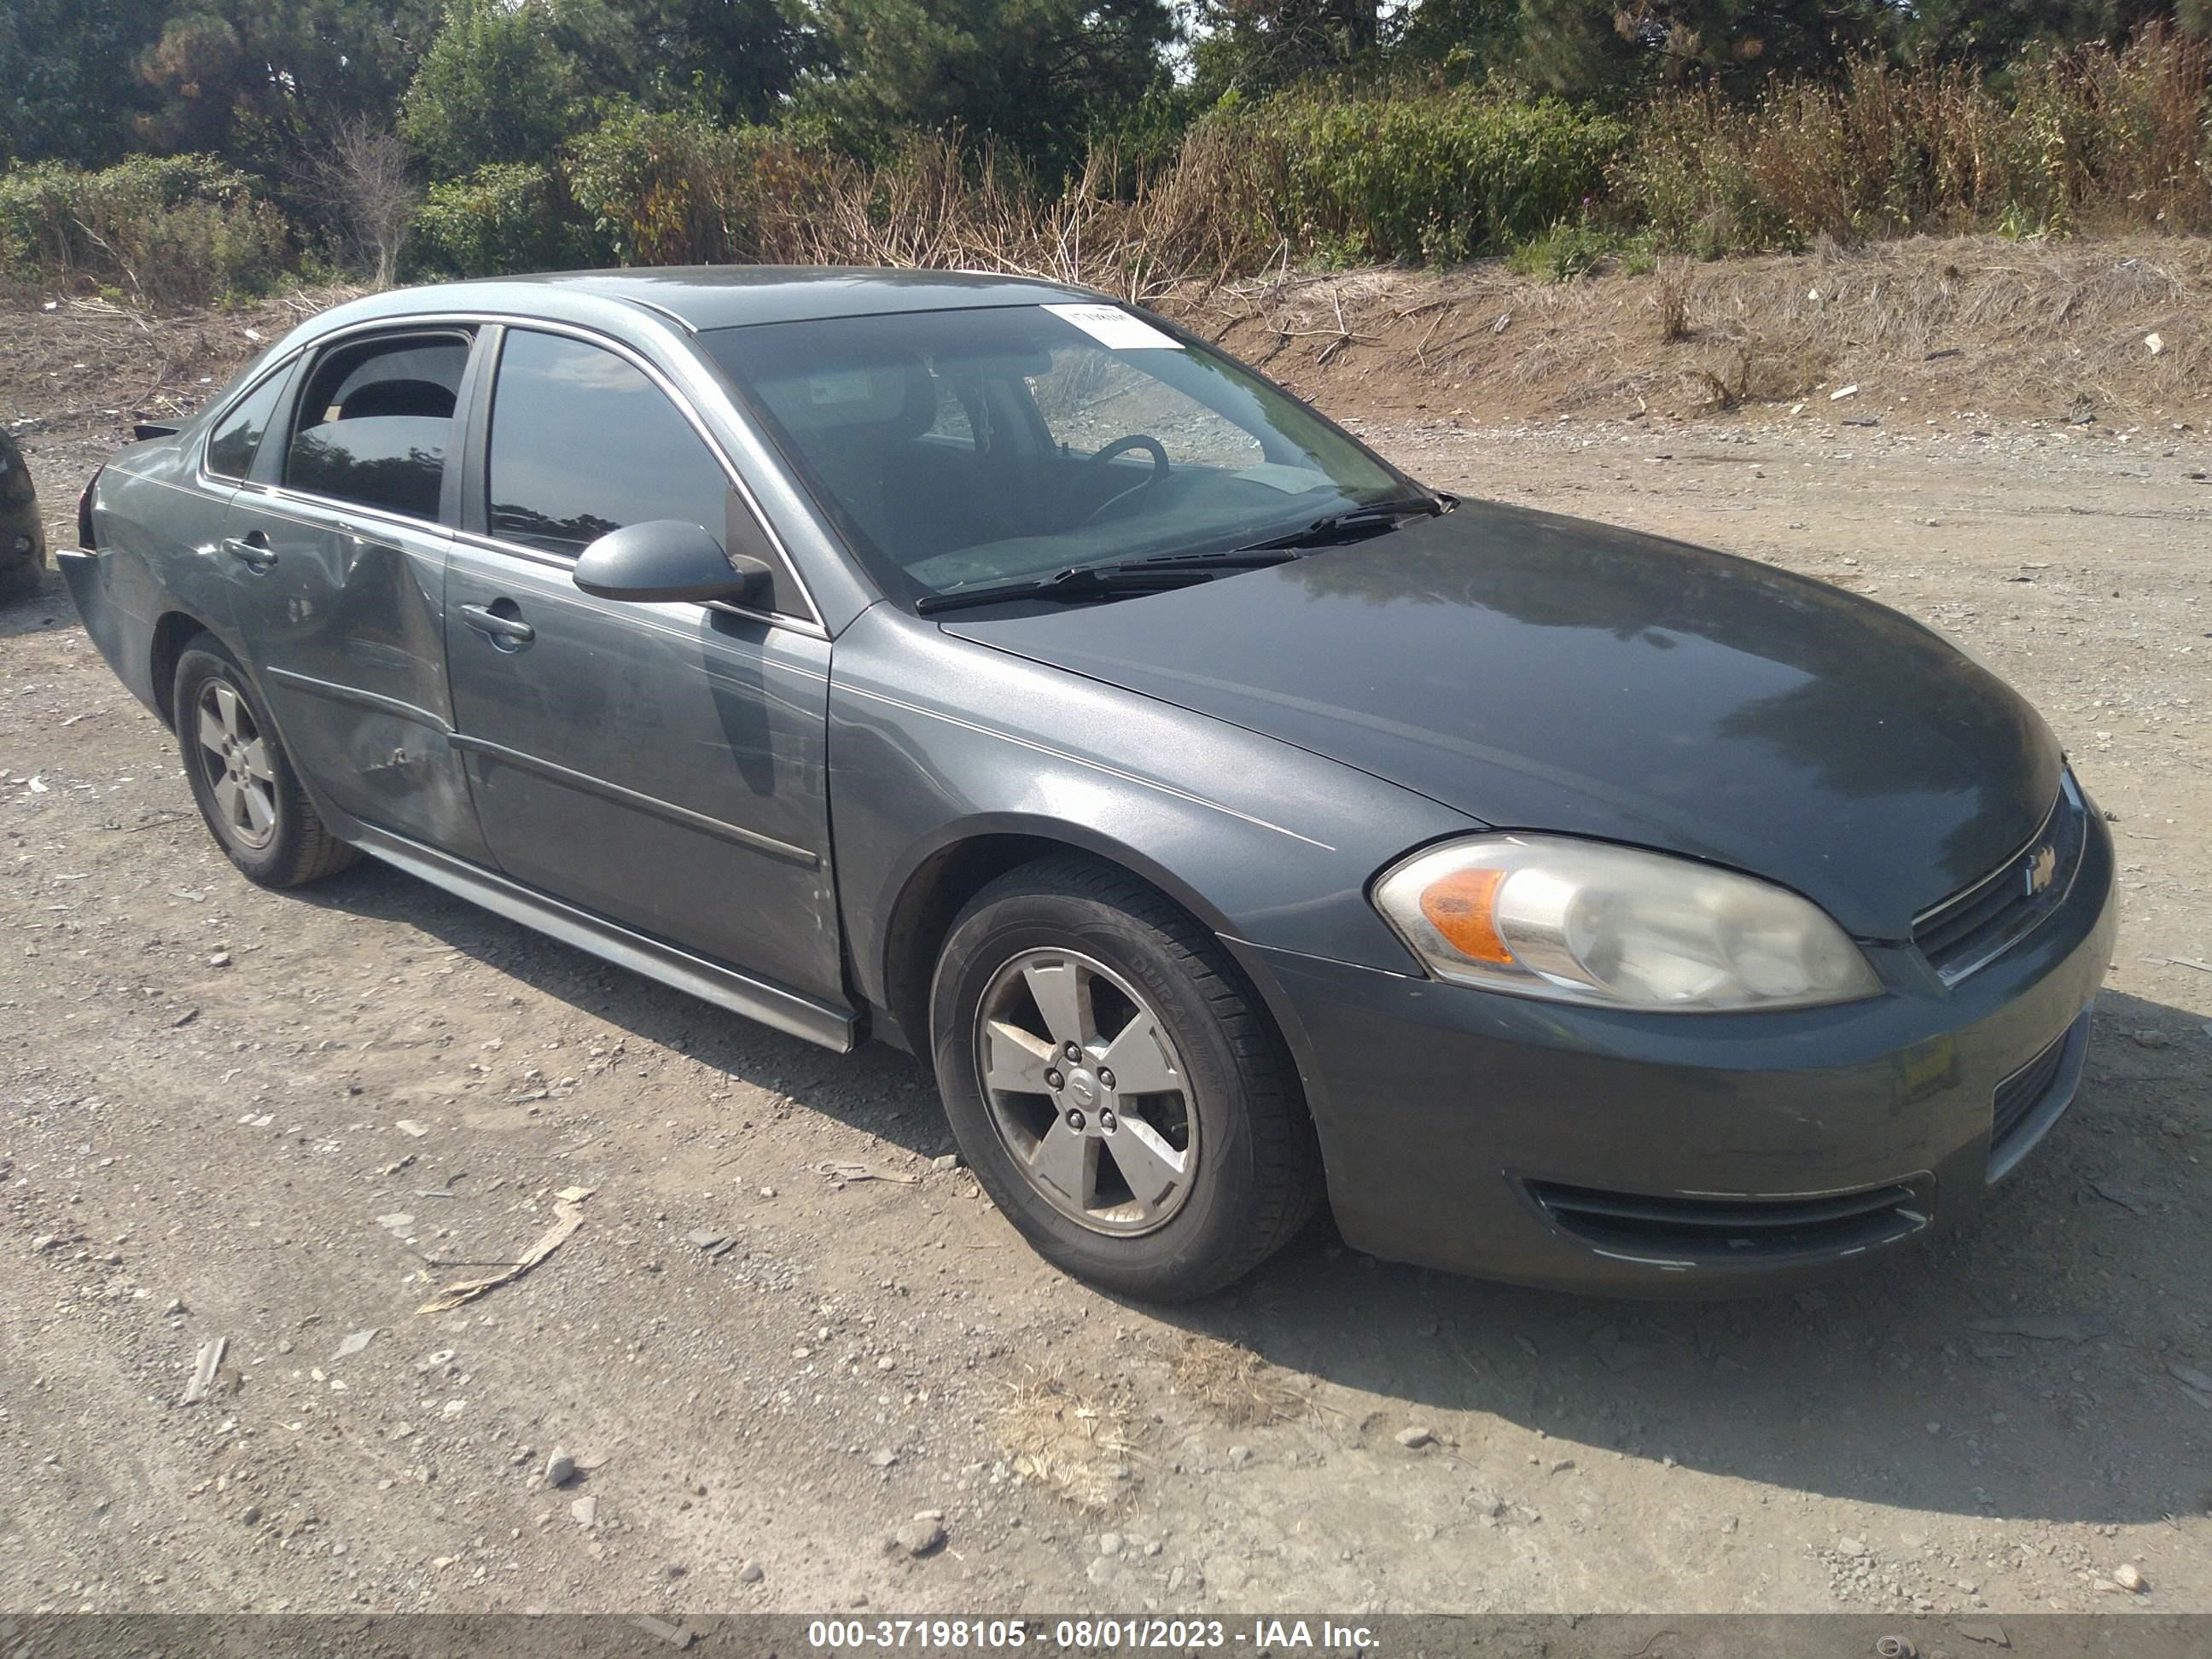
pixel 490 621
pixel 249 551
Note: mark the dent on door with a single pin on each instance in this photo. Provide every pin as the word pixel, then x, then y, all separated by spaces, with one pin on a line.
pixel 347 624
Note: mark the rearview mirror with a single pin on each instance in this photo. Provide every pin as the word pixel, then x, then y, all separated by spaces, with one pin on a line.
pixel 669 559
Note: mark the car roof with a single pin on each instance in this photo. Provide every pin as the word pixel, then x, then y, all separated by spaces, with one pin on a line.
pixel 702 297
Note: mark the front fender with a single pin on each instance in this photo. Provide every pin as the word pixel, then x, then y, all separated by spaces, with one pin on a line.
pixel 954 833
pixel 934 741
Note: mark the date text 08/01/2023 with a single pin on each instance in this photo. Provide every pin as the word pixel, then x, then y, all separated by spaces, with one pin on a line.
pixel 1172 1635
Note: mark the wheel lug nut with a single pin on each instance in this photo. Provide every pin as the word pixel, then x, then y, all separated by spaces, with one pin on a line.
pixel 1073 1052
pixel 1106 1121
pixel 1106 1077
pixel 1075 1120
pixel 1053 1080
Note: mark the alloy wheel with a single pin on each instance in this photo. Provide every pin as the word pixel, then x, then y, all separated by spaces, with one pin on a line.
pixel 1087 1091
pixel 234 758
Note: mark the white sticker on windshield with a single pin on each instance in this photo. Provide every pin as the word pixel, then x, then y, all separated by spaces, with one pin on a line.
pixel 1116 329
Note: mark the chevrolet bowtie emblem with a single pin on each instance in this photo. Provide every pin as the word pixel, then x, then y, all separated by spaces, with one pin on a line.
pixel 2042 868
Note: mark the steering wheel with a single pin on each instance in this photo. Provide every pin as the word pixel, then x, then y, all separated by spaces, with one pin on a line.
pixel 1151 446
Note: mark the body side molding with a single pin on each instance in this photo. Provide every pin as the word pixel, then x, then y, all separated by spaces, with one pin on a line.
pixel 786 1011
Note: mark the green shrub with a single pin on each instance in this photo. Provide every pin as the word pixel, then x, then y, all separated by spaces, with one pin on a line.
pixel 1437 177
pixel 1688 178
pixel 177 230
pixel 1567 250
pixel 505 217
pixel 676 188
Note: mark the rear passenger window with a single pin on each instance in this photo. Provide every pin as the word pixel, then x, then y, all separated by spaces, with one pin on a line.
pixel 375 423
pixel 237 439
pixel 582 443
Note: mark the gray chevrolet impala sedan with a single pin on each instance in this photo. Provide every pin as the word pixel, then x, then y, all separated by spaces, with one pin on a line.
pixel 1230 823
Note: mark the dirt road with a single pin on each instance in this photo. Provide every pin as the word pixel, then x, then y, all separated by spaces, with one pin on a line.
pixel 259 1118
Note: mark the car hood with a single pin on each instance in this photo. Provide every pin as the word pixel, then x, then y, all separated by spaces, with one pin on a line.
pixel 1541 672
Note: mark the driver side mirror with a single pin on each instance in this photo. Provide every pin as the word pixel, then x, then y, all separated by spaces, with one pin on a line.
pixel 664 559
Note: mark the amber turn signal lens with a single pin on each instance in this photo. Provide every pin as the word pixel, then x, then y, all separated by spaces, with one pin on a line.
pixel 1459 906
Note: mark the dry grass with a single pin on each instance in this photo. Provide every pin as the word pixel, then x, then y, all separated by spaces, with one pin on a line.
pixel 1670 298
pixel 1068 1441
pixel 1980 324
pixel 1234 1385
pixel 690 194
pixel 1985 324
pixel 2089 139
pixel 81 364
pixel 2092 139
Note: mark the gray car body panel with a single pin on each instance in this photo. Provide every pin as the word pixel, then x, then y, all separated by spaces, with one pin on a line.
pixel 161 554
pixel 679 749
pixel 1259 839
pixel 1258 747
pixel 1546 673
pixel 341 610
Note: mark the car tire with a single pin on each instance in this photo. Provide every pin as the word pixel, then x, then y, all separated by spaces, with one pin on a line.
pixel 1165 1193
pixel 242 778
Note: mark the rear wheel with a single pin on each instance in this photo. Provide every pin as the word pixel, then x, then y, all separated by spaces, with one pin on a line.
pixel 1114 1086
pixel 242 778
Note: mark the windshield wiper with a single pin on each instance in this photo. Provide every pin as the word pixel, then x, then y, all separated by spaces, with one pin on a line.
pixel 1157 572
pixel 1353 523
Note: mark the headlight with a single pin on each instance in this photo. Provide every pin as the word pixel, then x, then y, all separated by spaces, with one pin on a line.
pixel 1581 921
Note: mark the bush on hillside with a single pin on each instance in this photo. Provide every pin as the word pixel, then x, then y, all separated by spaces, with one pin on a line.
pixel 2089 139
pixel 678 188
pixel 167 231
pixel 1432 177
pixel 507 216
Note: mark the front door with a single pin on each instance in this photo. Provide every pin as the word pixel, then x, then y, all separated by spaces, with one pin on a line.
pixel 661 765
pixel 334 554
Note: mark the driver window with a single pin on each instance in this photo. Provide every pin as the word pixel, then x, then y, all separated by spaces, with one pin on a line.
pixel 582 443
pixel 1088 399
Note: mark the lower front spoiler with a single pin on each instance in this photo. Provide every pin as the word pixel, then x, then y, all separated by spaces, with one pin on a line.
pixel 1638 1154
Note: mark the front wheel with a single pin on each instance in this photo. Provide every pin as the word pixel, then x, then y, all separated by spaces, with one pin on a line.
pixel 1115 1086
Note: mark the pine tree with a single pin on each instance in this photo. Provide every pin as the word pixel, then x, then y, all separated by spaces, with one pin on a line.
pixel 1035 75
pixel 1598 49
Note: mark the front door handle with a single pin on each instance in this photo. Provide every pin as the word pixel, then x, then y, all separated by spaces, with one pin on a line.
pixel 253 549
pixel 487 621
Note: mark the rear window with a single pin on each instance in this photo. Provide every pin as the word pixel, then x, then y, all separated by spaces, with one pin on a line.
pixel 237 439
pixel 375 423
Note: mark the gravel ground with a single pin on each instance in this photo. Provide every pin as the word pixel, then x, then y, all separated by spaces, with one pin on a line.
pixel 280 1122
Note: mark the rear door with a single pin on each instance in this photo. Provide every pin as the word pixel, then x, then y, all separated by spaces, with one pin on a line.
pixel 334 552
pixel 661 765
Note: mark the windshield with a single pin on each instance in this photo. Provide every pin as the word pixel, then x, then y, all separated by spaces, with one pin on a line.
pixel 960 449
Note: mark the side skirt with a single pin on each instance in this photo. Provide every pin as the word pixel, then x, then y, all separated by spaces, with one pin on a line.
pixel 771 1004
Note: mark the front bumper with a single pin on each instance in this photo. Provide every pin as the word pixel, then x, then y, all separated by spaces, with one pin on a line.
pixel 1597 1150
